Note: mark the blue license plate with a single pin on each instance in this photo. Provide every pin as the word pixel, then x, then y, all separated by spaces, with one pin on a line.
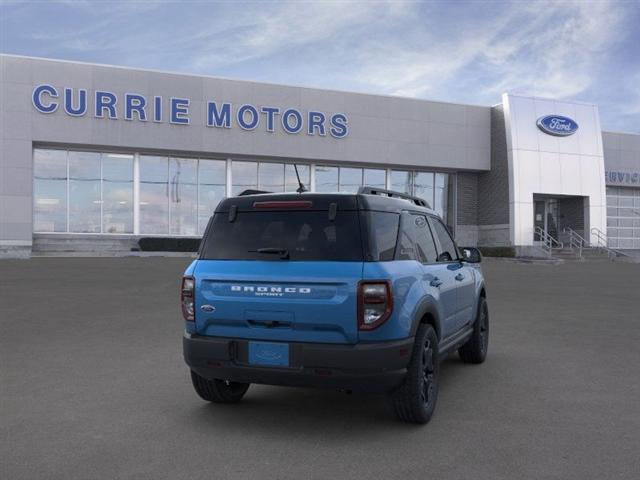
pixel 271 354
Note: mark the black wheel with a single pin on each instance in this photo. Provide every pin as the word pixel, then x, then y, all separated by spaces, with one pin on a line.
pixel 218 391
pixel 415 400
pixel 475 350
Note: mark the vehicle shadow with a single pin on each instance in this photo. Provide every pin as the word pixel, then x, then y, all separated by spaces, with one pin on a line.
pixel 283 410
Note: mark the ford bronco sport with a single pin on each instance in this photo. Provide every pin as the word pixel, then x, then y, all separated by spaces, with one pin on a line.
pixel 363 291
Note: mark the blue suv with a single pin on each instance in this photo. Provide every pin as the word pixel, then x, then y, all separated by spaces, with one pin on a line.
pixel 363 291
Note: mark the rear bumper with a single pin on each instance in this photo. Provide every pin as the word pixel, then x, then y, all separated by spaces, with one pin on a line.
pixel 373 367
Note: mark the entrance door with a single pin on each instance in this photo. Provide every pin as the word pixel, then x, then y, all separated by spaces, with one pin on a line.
pixel 545 216
pixel 539 217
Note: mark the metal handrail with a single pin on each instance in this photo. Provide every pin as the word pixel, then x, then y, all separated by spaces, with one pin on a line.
pixel 576 240
pixel 548 241
pixel 603 244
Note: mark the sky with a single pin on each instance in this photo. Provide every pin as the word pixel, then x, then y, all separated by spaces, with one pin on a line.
pixel 456 51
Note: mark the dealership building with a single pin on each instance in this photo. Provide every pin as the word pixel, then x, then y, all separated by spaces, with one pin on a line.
pixel 95 157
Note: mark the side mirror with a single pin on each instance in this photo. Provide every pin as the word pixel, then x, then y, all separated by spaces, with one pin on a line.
pixel 471 255
pixel 444 257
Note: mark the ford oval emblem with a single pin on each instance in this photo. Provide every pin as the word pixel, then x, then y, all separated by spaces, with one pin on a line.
pixel 557 125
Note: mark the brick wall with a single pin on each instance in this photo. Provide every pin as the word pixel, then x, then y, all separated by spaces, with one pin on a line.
pixel 493 186
pixel 467 190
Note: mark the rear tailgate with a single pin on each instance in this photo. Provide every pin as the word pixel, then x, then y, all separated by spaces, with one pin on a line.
pixel 302 301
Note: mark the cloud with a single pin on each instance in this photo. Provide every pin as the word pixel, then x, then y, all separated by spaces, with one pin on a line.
pixel 463 51
pixel 546 49
pixel 259 33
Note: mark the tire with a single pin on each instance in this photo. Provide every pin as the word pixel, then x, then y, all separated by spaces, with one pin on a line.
pixel 415 400
pixel 475 350
pixel 218 391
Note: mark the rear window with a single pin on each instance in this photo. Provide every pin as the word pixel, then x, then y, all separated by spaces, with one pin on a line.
pixel 303 235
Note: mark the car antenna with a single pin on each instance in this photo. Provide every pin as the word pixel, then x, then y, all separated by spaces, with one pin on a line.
pixel 301 188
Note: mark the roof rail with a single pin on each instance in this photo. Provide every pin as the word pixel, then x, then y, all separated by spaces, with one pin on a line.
pixel 393 194
pixel 251 191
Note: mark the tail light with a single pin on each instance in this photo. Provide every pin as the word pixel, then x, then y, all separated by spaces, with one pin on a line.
pixel 375 304
pixel 187 298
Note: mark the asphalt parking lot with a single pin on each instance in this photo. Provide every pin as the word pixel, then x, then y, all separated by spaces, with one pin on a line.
pixel 93 386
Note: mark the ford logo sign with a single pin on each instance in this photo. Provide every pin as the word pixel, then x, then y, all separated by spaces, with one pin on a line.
pixel 557 125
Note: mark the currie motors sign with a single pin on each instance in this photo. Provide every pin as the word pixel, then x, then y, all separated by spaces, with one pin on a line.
pixel 131 106
pixel 557 125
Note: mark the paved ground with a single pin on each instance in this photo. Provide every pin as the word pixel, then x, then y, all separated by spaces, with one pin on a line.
pixel 93 386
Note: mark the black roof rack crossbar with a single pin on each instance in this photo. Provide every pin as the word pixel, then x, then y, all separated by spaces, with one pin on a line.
pixel 251 191
pixel 393 194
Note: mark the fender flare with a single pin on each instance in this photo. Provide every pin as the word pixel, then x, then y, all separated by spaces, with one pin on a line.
pixel 430 308
pixel 480 288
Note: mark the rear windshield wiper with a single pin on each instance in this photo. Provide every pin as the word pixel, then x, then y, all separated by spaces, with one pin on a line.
pixel 283 252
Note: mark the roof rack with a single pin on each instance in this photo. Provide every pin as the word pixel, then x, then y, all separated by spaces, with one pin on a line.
pixel 251 191
pixel 393 194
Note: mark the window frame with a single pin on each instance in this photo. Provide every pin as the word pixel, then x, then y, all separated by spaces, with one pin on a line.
pixel 405 214
pixel 429 231
pixel 436 238
pixel 223 185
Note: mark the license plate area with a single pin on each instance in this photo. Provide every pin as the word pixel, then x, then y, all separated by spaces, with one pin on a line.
pixel 269 354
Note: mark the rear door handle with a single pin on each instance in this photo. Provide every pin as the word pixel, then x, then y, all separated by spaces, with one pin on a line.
pixel 436 282
pixel 459 277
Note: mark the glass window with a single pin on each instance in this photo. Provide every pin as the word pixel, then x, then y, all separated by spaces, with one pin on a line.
pixel 423 186
pixel 326 179
pixel 623 221
pixel 291 181
pixel 85 204
pixel 244 176
pixel 382 236
pixel 294 235
pixel 448 251
pixel 117 193
pixel 154 195
pixel 212 177
pixel 183 193
pixel 50 190
pixel 424 240
pixel 271 177
pixel 416 242
pixel 401 181
pixel 440 201
pixel 350 179
pixel 407 241
pixel 374 178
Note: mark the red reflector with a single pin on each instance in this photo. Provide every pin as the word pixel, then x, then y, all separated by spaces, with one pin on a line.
pixel 283 204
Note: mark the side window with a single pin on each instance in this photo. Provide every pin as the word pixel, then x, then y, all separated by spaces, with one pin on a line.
pixel 424 240
pixel 407 241
pixel 416 242
pixel 448 250
pixel 382 235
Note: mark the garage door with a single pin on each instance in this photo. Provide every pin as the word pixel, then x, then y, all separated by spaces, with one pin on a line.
pixel 623 217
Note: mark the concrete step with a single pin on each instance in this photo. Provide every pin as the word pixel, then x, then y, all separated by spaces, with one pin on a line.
pixel 588 254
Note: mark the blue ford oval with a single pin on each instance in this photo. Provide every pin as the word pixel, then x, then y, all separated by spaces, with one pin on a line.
pixel 557 125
